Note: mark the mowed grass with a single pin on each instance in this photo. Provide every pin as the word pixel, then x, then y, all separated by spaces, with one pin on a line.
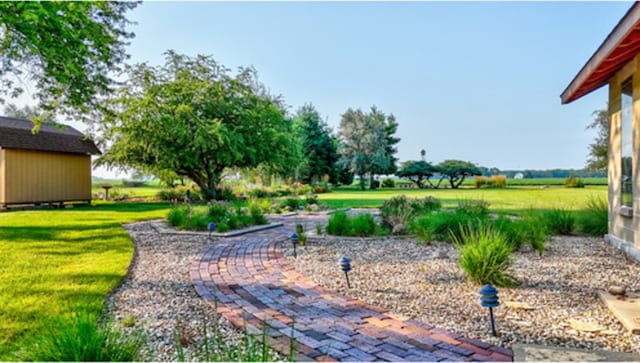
pixel 56 261
pixel 509 200
pixel 149 189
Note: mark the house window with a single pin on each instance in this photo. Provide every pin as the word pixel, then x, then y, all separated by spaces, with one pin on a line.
pixel 627 143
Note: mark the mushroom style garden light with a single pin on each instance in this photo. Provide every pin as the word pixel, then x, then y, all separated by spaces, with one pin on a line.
pixel 489 299
pixel 294 242
pixel 211 227
pixel 345 264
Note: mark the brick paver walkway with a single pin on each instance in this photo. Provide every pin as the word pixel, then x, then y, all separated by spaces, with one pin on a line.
pixel 250 283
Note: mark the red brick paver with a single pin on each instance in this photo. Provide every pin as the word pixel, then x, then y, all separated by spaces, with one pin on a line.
pixel 250 283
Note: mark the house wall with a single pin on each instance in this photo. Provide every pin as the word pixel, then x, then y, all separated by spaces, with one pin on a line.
pixel 624 222
pixel 36 177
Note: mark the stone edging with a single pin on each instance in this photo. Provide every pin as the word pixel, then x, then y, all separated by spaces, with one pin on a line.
pixel 162 228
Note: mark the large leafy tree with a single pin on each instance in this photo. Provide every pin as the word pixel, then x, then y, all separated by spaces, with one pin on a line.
pixel 599 150
pixel 69 49
pixel 318 145
pixel 195 118
pixel 455 171
pixel 367 143
pixel 418 172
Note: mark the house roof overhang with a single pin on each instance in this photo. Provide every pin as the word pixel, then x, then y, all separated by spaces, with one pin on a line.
pixel 620 46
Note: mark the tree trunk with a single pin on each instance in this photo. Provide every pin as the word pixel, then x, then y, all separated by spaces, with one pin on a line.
pixel 372 184
pixel 361 182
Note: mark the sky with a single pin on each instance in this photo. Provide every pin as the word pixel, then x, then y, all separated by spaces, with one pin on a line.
pixel 477 81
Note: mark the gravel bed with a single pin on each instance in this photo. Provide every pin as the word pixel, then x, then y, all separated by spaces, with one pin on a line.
pixel 158 294
pixel 425 283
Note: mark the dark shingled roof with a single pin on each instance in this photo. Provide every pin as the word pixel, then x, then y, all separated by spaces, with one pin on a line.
pixel 16 134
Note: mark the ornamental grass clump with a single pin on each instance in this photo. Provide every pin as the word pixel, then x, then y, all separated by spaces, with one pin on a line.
pixel 361 225
pixel 398 212
pixel 560 221
pixel 485 255
pixel 79 339
pixel 594 219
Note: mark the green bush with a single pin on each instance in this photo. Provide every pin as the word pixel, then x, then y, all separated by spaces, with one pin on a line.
pixel 560 221
pixel 594 220
pixel 485 255
pixel 388 183
pixel 573 182
pixel 217 212
pixel 293 203
pixel 321 188
pixel 263 205
pixel 338 224
pixel 478 208
pixel 79 340
pixel 363 225
pixel 441 226
pixel 257 218
pixel 177 216
pixel 399 212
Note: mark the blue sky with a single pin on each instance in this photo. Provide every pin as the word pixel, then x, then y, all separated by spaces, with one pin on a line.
pixel 478 81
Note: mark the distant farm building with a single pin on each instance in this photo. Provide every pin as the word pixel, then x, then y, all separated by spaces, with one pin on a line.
pixel 617 63
pixel 518 176
pixel 51 166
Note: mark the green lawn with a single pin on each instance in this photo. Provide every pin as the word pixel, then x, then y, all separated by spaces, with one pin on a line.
pixel 511 199
pixel 54 261
pixel 150 189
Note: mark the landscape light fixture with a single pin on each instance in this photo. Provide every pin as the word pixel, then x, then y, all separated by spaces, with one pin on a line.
pixel 211 227
pixel 294 242
pixel 489 299
pixel 345 264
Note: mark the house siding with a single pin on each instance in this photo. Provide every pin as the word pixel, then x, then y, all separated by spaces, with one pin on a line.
pixel 622 228
pixel 40 177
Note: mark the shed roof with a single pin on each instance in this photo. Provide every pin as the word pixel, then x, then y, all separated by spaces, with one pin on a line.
pixel 16 134
pixel 620 46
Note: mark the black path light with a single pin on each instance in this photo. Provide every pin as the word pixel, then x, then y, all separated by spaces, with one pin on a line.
pixel 345 264
pixel 294 242
pixel 211 227
pixel 489 299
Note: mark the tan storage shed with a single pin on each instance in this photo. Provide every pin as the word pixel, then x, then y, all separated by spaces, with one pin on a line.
pixel 51 166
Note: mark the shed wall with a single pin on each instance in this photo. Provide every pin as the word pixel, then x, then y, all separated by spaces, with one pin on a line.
pixel 1 176
pixel 36 177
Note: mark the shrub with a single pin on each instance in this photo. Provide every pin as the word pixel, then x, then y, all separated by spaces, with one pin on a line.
pixel 442 225
pixel 197 220
pixel 177 216
pixel 259 193
pixel 321 188
pixel 427 204
pixel 594 220
pixel 225 194
pixel 472 207
pixel 217 212
pixel 133 183
pixel 376 184
pixel 533 230
pixel 263 205
pixel 293 203
pixel 79 339
pixel 311 199
pixel 573 182
pixel 300 189
pixel 398 212
pixel 388 183
pixel 338 224
pixel 223 227
pixel 485 255
pixel 559 221
pixel 498 181
pixel 363 225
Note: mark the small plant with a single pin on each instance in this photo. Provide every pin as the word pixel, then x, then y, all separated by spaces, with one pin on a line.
pixel 293 203
pixel 533 230
pixel 177 216
pixel 79 339
pixel 338 224
pixel 485 255
pixel 129 321
pixel 363 225
pixel 478 208
pixel 318 229
pixel 594 219
pixel 560 221
pixel 573 182
pixel 388 183
pixel 398 212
